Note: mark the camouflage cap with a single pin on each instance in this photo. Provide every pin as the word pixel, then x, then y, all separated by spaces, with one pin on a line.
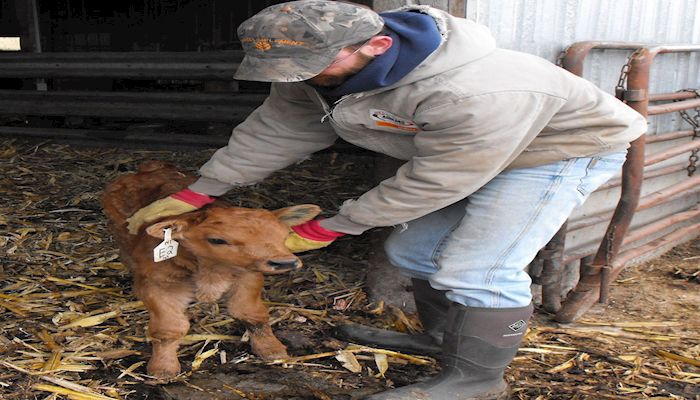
pixel 295 41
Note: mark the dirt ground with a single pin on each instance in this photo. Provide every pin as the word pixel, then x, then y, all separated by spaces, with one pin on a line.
pixel 70 327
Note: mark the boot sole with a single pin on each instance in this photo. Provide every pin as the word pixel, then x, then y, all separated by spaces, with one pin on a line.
pixel 504 394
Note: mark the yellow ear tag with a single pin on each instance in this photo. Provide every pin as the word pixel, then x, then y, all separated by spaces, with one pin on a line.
pixel 167 248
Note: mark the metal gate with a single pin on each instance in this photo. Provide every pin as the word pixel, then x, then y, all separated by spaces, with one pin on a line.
pixel 670 153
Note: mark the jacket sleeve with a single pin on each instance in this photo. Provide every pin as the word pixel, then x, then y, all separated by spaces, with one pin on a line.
pixel 283 130
pixel 461 146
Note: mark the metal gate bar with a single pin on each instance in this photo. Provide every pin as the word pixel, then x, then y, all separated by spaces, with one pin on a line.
pixel 666 194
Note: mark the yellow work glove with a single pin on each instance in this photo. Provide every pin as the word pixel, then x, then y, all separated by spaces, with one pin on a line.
pixel 309 236
pixel 179 203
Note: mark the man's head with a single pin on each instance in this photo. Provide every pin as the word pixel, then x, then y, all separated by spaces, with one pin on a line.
pixel 301 40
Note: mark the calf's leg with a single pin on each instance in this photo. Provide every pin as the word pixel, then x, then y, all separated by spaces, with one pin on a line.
pixel 245 303
pixel 167 326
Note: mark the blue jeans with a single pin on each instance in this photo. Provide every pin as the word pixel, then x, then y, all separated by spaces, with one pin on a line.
pixel 477 249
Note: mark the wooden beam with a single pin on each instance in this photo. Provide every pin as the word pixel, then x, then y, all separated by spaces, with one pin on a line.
pixel 218 65
pixel 146 105
pixel 27 15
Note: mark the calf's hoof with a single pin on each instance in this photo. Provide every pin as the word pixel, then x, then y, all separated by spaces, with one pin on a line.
pixel 274 356
pixel 270 352
pixel 163 369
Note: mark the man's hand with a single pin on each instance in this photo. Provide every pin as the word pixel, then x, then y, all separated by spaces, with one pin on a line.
pixel 310 236
pixel 175 204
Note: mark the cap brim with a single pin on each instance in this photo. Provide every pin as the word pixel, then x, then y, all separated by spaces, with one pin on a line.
pixel 292 69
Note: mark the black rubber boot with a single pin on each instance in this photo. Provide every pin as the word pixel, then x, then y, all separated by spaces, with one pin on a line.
pixel 432 307
pixel 479 344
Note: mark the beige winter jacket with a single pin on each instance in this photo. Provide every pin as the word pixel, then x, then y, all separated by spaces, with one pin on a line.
pixel 465 114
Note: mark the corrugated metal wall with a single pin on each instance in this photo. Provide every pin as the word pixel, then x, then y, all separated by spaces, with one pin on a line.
pixel 546 27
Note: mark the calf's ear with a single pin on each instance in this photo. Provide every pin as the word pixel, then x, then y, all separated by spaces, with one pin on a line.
pixel 298 214
pixel 178 226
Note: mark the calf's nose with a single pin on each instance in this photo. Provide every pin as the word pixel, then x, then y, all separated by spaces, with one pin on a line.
pixel 287 264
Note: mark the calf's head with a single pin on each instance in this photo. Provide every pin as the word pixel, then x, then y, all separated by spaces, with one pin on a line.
pixel 239 237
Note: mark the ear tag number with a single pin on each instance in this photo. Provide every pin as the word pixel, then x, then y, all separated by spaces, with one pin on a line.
pixel 167 248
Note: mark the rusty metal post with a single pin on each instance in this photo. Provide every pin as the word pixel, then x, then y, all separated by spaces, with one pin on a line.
pixel 632 172
pixel 594 281
pixel 573 56
pixel 572 59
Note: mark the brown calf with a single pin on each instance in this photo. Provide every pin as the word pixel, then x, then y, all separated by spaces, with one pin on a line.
pixel 223 252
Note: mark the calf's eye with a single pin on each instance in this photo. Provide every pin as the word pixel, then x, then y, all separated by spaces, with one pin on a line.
pixel 217 241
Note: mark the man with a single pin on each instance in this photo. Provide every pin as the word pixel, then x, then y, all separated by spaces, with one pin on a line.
pixel 500 147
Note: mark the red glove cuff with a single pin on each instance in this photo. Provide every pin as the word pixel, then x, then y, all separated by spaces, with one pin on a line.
pixel 314 231
pixel 190 197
